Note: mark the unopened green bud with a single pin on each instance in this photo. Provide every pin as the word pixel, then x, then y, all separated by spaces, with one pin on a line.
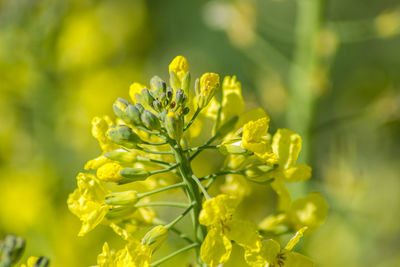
pixel 157 105
pixel 186 83
pixel 139 107
pixel 150 120
pixel 174 126
pixel 42 262
pixel 157 85
pixel 133 114
pixel 11 249
pixel 120 212
pixel 124 136
pixel 133 174
pixel 120 108
pixel 121 156
pixel 148 98
pixel 122 198
pixel 174 80
pixel 163 115
pixel 170 94
pixel 163 98
pixel 180 97
pixel 185 111
pixel 156 236
pixel 209 84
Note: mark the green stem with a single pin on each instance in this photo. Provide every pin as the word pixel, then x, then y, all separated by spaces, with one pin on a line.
pixel 214 175
pixel 195 149
pixel 156 263
pixel 162 204
pixel 154 144
pixel 152 151
pixel 206 144
pixel 149 193
pixel 206 195
pixel 144 159
pixel 192 120
pixel 164 170
pixel 180 217
pixel 150 132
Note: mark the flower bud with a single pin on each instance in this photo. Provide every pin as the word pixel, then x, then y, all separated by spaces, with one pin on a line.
pixel 157 85
pixel 110 172
pixel 155 236
pixel 232 148
pixel 42 262
pixel 179 96
pixel 122 198
pixel 120 212
pixel 209 84
pixel 174 126
pixel 11 249
pixel 121 156
pixel 124 136
pixel 157 105
pixel 170 93
pixel 186 83
pixel 148 98
pixel 150 120
pixel 174 81
pixel 185 111
pixel 133 174
pixel 133 114
pixel 120 107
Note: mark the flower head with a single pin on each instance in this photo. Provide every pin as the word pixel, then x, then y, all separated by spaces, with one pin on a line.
pixel 209 84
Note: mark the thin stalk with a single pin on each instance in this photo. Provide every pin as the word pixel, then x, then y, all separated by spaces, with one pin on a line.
pixel 164 170
pixel 162 204
pixel 195 149
pixel 156 263
pixel 154 144
pixel 214 175
pixel 149 193
pixel 143 159
pixel 203 190
pixel 150 132
pixel 192 120
pixel 152 151
pixel 180 217
pixel 206 144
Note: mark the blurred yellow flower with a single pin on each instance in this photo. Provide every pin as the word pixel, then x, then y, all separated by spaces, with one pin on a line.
pixel 87 202
pixel 180 66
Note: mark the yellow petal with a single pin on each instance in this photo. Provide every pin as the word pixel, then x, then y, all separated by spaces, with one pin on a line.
pixel 180 66
pixel 287 145
pixel 299 172
pixel 283 194
pixel 244 233
pixel 99 131
pixel 110 172
pixel 254 131
pixel 309 211
pixel 87 202
pixel 267 256
pixel 216 248
pixel 135 88
pixel 107 257
pixel 218 209
pixel 293 259
pixel 295 239
pixel 95 163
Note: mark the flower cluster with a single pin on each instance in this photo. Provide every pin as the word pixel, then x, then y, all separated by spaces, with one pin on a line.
pixel 147 150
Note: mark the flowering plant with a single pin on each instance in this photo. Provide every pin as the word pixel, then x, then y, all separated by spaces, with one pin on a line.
pixel 149 149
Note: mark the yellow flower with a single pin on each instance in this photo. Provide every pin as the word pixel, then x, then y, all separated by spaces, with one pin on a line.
pixel 135 88
pixel 110 172
pixel 87 202
pixel 255 139
pixel 96 163
pixel 99 131
pixel 134 254
pixel 31 262
pixel 286 144
pixel 223 226
pixel 179 66
pixel 232 103
pixel 271 254
pixel 309 211
pixel 209 84
pixel 236 185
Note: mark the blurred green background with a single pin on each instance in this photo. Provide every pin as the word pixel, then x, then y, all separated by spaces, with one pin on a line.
pixel 327 69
